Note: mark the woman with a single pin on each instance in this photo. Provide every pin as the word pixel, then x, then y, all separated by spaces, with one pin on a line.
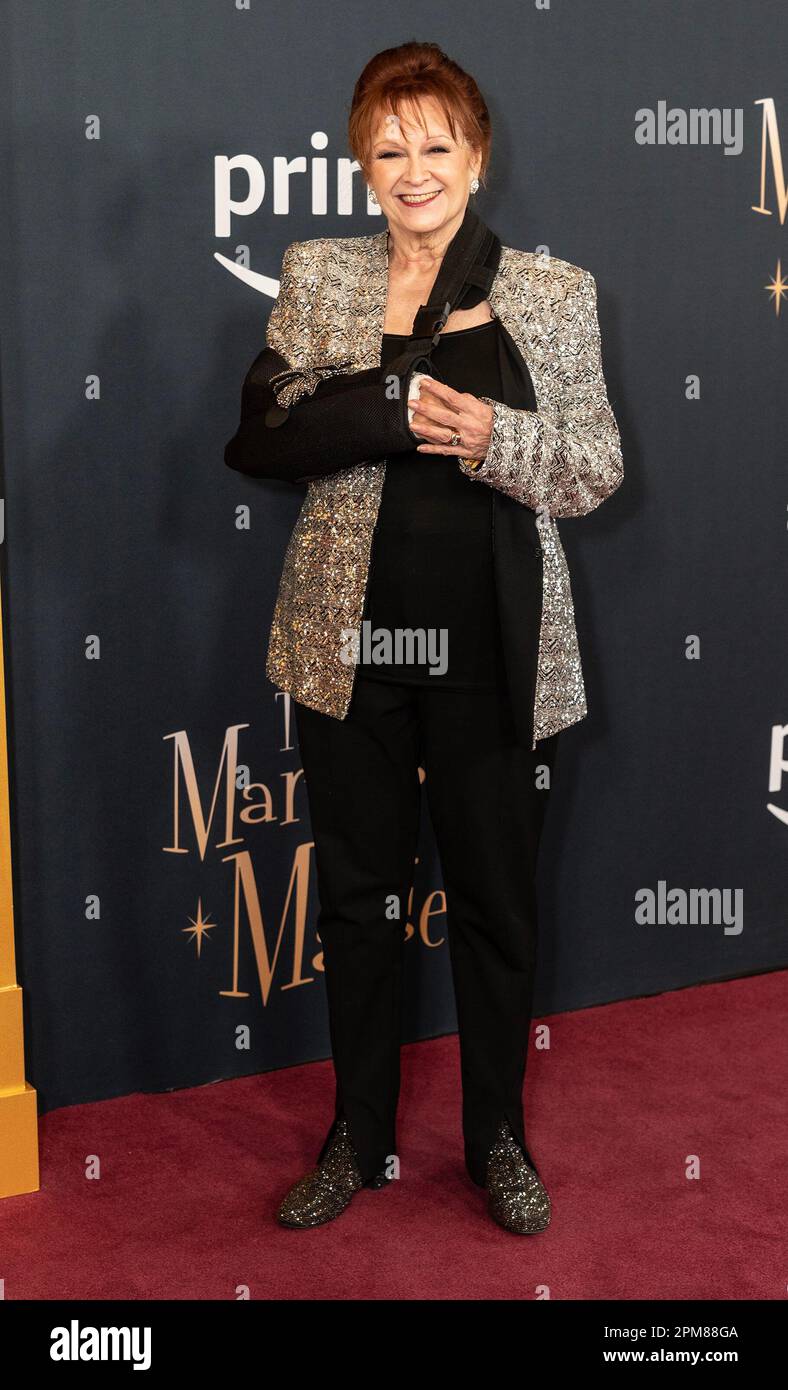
pixel 429 523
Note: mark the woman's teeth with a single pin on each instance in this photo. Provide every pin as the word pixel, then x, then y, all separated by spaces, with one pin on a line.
pixel 416 198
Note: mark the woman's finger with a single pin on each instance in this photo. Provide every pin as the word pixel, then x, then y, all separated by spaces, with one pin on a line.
pixel 436 415
pixel 445 393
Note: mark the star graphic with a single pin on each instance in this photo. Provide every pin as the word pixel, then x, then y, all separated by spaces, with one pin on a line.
pixel 778 288
pixel 200 927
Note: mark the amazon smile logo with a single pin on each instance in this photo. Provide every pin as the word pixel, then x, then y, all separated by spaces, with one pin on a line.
pixel 241 187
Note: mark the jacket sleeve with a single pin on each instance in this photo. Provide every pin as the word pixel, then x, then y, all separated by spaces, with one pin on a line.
pixel 302 423
pixel 569 460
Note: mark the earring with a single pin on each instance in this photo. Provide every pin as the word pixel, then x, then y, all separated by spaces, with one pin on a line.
pixel 474 185
pixel 373 197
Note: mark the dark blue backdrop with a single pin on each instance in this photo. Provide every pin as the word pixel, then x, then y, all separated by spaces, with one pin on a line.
pixel 140 573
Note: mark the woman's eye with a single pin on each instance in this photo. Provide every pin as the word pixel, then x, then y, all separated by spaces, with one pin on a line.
pixel 394 154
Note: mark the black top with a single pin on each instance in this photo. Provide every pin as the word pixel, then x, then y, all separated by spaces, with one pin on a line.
pixel 431 567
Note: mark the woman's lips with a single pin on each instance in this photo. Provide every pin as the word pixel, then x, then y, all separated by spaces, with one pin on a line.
pixel 412 201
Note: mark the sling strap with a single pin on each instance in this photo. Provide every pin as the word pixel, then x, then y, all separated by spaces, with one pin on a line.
pixel 471 258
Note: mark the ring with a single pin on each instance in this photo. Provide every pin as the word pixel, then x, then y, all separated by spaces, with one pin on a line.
pixel 455 440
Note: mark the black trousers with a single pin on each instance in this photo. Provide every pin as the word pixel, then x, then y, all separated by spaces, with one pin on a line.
pixel 364 795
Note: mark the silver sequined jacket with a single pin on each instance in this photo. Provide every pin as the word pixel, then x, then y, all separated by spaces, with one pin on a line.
pixel 562 460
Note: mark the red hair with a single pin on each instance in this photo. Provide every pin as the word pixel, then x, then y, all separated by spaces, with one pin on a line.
pixel 398 77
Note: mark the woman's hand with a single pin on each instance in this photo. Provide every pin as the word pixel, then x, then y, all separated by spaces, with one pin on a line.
pixel 441 411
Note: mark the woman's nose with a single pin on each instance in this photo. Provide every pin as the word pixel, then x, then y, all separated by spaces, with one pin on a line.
pixel 416 173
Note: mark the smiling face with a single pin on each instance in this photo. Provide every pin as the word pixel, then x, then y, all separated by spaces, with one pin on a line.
pixel 421 177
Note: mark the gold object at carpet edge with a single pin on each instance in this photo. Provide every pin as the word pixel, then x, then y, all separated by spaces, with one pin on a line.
pixel 18 1108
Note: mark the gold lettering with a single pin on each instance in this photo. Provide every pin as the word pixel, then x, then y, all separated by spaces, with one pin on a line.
pixel 246 889
pixel 770 131
pixel 183 757
pixel 427 912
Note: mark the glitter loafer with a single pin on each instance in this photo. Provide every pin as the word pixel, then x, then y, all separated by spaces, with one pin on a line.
pixel 325 1191
pixel 516 1197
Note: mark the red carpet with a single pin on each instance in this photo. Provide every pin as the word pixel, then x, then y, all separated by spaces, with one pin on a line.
pixel 190 1179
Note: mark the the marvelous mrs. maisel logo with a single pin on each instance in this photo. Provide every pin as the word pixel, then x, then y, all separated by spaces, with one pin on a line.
pixel 237 820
